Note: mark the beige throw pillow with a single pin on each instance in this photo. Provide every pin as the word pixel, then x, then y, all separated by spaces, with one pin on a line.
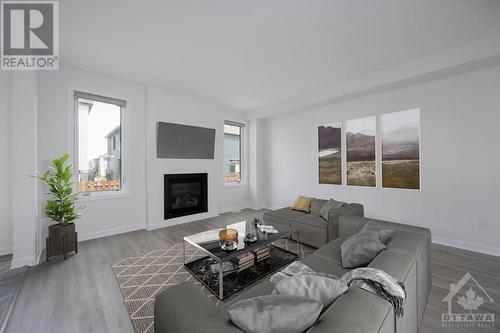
pixel 303 204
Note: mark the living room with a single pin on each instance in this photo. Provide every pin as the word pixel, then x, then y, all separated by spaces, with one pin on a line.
pixel 312 141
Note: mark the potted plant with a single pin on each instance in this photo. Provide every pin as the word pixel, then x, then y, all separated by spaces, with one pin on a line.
pixel 61 208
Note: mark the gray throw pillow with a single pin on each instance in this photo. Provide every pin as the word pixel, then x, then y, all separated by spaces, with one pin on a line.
pixel 384 234
pixel 361 248
pixel 275 314
pixel 328 206
pixel 322 289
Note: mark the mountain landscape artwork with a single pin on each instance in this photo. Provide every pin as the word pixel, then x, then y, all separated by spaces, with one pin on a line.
pixel 360 142
pixel 330 154
pixel 401 149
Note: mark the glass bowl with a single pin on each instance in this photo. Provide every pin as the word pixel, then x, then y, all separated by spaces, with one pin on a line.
pixel 228 235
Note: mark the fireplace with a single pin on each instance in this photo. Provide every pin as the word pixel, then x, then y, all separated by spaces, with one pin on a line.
pixel 185 194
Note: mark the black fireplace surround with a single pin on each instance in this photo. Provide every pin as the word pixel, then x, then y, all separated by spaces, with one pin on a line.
pixel 185 194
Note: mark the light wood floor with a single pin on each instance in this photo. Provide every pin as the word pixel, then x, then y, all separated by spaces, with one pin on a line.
pixel 81 294
pixel 10 284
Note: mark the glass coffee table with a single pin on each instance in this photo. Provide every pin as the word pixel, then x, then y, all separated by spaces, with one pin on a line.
pixel 217 269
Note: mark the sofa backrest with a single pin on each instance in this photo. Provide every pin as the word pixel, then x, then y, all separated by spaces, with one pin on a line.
pixel 316 205
pixel 407 258
pixel 350 225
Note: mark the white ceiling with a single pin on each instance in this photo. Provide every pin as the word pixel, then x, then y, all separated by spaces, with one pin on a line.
pixel 255 53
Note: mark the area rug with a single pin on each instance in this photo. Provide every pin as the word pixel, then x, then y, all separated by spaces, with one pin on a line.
pixel 142 278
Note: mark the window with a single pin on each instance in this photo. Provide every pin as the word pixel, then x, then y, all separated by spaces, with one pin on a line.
pixel 99 143
pixel 232 152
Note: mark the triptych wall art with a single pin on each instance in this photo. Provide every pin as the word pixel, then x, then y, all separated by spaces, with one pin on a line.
pixel 399 157
pixel 360 143
pixel 330 154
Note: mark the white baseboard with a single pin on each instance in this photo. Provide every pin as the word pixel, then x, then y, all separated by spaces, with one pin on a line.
pixel 233 209
pixel 273 207
pixel 5 250
pixel 109 232
pixel 258 206
pixel 39 257
pixel 20 262
pixel 180 220
pixel 466 245
pixel 229 210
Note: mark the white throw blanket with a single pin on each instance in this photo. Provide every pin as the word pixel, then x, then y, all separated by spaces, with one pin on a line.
pixel 379 283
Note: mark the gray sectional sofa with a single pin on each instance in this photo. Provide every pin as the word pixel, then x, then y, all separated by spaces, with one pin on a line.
pixel 312 229
pixel 185 308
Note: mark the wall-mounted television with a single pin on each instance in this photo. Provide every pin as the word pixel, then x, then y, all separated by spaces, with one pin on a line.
pixel 184 141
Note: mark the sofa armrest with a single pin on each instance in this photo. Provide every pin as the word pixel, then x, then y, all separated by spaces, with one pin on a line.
pixel 352 209
pixel 185 308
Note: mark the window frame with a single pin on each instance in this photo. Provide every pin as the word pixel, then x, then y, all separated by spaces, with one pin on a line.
pixel 122 103
pixel 242 127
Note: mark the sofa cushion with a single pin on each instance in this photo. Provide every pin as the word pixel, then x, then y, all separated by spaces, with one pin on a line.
pixel 285 213
pixel 311 219
pixel 310 234
pixel 322 289
pixel 350 225
pixel 324 265
pixel 360 249
pixel 272 219
pixel 331 250
pixel 174 308
pixel 302 204
pixel 330 205
pixel 275 314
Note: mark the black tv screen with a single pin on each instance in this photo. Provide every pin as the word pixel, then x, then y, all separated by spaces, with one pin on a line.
pixel 183 141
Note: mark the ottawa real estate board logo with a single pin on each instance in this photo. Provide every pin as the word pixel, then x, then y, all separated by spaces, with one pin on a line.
pixel 29 35
pixel 466 301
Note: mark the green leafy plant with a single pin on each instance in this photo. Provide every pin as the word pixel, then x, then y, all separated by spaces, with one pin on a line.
pixel 61 209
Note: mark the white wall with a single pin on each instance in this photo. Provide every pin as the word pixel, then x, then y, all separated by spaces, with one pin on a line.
pixel 56 137
pixel 5 165
pixel 258 162
pixel 26 244
pixel 49 105
pixel 460 119
pixel 176 107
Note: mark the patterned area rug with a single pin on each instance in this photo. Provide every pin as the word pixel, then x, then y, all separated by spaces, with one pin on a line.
pixel 142 278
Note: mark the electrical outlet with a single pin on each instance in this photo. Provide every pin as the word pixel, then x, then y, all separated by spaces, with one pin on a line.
pixel 481 224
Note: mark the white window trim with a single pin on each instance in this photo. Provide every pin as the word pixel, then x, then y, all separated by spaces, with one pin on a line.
pixel 124 113
pixel 243 154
